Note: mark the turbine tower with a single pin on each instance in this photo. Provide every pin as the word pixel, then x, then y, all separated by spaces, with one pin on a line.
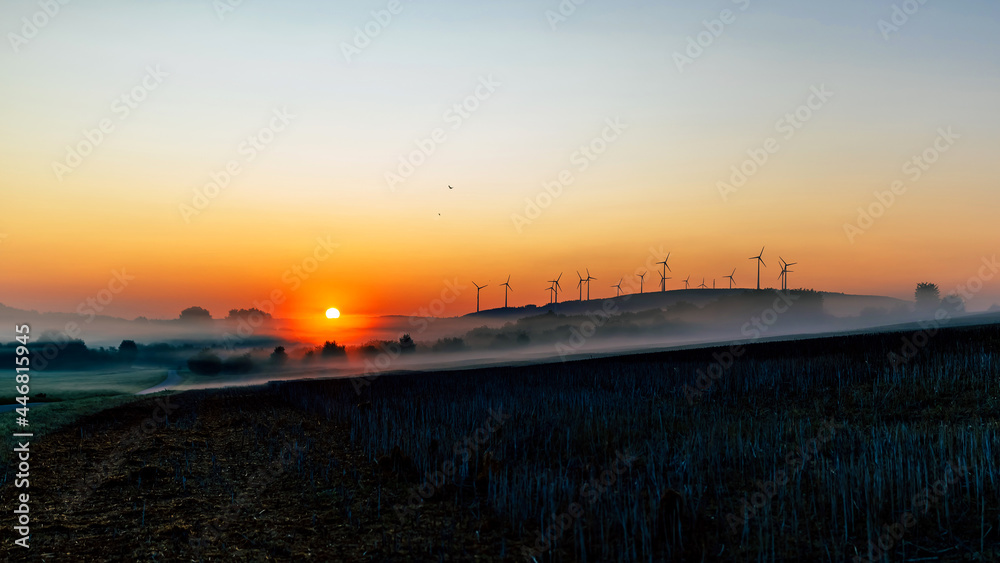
pixel 506 286
pixel 731 280
pixel 579 284
pixel 687 283
pixel 556 287
pixel 760 260
pixel 642 278
pixel 619 286
pixel 703 286
pixel 663 282
pixel 663 276
pixel 478 289
pixel 784 273
pixel 588 280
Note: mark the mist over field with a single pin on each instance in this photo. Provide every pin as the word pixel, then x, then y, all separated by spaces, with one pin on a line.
pixel 402 281
pixel 242 349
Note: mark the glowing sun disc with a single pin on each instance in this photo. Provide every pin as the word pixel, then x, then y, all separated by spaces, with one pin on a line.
pixel 332 313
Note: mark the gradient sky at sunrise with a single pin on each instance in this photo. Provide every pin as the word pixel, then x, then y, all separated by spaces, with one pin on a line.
pixel 324 175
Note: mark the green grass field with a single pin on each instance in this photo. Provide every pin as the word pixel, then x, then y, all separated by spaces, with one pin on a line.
pixel 74 394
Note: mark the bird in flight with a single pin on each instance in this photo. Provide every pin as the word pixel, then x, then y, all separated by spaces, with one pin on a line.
pixel 450 188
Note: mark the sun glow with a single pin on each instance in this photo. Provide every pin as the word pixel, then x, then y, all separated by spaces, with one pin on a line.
pixel 332 313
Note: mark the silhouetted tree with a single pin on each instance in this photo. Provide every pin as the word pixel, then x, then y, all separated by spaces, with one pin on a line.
pixel 375 347
pixel 332 350
pixel 205 363
pixel 238 364
pixel 128 351
pixel 195 314
pixel 279 356
pixel 927 296
pixel 407 345
pixel 237 314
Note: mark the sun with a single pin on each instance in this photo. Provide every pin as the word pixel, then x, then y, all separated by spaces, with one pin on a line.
pixel 332 313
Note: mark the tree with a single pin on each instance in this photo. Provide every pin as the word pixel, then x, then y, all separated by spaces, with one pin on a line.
pixel 250 314
pixel 238 364
pixel 407 345
pixel 279 356
pixel 127 351
pixel 332 350
pixel 195 314
pixel 928 297
pixel 205 363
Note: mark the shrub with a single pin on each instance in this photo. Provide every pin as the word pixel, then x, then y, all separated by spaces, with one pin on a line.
pixel 205 363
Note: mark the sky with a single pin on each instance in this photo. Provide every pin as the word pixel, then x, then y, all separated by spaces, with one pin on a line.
pixel 305 149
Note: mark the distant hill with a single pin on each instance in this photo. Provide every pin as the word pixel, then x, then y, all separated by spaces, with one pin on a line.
pixel 836 304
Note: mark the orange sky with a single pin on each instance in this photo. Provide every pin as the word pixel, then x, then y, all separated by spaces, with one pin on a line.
pixel 323 176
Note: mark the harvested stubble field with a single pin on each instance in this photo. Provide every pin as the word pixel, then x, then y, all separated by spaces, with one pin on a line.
pixel 803 450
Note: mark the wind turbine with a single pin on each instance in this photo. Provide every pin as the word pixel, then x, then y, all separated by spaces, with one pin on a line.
pixel 784 272
pixel 703 286
pixel 687 284
pixel 588 280
pixel 731 280
pixel 619 286
pixel 556 287
pixel 663 282
pixel 478 289
pixel 663 276
pixel 506 286
pixel 760 260
pixel 579 284
pixel 642 278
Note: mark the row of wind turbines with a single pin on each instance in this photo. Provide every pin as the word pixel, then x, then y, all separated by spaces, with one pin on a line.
pixel 554 285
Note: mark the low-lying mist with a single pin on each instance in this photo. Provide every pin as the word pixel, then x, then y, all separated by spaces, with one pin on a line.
pixel 249 349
